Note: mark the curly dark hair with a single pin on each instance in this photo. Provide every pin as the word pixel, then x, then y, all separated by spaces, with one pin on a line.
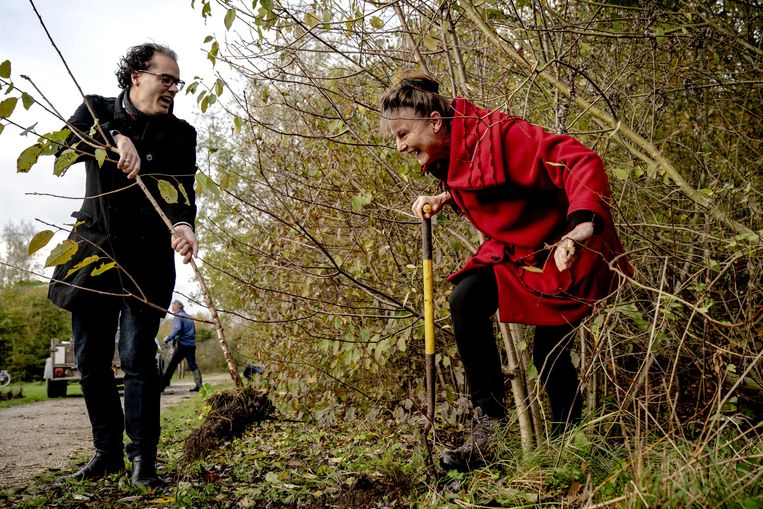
pixel 137 59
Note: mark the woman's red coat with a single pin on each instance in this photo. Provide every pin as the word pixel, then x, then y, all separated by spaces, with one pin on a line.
pixel 517 184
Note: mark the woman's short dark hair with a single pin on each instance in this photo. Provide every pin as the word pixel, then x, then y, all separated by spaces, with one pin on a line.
pixel 137 59
pixel 414 89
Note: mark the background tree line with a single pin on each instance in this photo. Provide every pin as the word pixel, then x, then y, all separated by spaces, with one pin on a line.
pixel 28 321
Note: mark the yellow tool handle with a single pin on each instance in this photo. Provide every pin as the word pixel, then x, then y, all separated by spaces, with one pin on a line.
pixel 426 229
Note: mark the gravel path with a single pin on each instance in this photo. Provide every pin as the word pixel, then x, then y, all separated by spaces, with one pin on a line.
pixel 48 435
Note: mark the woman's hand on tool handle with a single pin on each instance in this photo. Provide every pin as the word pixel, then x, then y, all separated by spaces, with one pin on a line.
pixel 436 202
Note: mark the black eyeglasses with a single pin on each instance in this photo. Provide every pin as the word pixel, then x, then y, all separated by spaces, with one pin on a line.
pixel 167 80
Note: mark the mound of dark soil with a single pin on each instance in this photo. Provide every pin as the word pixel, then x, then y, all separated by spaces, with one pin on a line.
pixel 230 414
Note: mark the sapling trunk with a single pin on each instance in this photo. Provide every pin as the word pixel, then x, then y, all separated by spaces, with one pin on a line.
pixel 229 361
pixel 519 390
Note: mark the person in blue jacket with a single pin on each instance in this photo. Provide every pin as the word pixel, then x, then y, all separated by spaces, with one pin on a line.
pixel 183 334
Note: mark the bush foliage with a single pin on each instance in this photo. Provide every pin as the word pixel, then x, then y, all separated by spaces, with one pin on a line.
pixel 28 321
pixel 305 204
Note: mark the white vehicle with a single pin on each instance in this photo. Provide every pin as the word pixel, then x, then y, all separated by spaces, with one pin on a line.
pixel 61 368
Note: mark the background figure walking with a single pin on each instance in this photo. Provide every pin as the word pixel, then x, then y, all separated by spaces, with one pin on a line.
pixel 183 334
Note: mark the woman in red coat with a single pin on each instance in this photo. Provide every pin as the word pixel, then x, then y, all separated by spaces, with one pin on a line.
pixel 541 200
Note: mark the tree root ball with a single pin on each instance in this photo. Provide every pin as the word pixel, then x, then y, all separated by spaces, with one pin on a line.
pixel 231 412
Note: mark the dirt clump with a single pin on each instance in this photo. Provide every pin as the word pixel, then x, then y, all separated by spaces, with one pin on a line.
pixel 230 413
pixel 373 492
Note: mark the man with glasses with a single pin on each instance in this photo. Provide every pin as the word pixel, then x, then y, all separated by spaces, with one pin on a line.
pixel 123 273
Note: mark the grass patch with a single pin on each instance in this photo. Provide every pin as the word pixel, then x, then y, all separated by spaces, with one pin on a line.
pixel 32 392
pixel 375 463
pixel 294 464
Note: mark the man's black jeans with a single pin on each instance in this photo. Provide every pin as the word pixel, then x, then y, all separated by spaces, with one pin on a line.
pixel 94 332
pixel 472 304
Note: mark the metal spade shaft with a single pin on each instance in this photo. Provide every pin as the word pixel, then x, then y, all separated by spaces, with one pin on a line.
pixel 426 245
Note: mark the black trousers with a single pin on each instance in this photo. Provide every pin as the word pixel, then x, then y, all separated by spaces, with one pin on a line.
pixel 472 304
pixel 94 333
pixel 181 352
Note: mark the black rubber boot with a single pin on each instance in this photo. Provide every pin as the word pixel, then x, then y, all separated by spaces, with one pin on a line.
pixel 144 472
pixel 475 450
pixel 196 380
pixel 99 466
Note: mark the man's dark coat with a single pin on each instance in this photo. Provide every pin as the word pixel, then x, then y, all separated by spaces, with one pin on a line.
pixel 116 221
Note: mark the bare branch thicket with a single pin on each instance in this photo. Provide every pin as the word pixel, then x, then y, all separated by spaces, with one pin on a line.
pixel 311 214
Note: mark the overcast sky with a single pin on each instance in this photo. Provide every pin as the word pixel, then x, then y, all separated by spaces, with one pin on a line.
pixel 91 35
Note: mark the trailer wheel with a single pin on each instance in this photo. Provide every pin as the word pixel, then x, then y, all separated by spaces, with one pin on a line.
pixel 56 388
